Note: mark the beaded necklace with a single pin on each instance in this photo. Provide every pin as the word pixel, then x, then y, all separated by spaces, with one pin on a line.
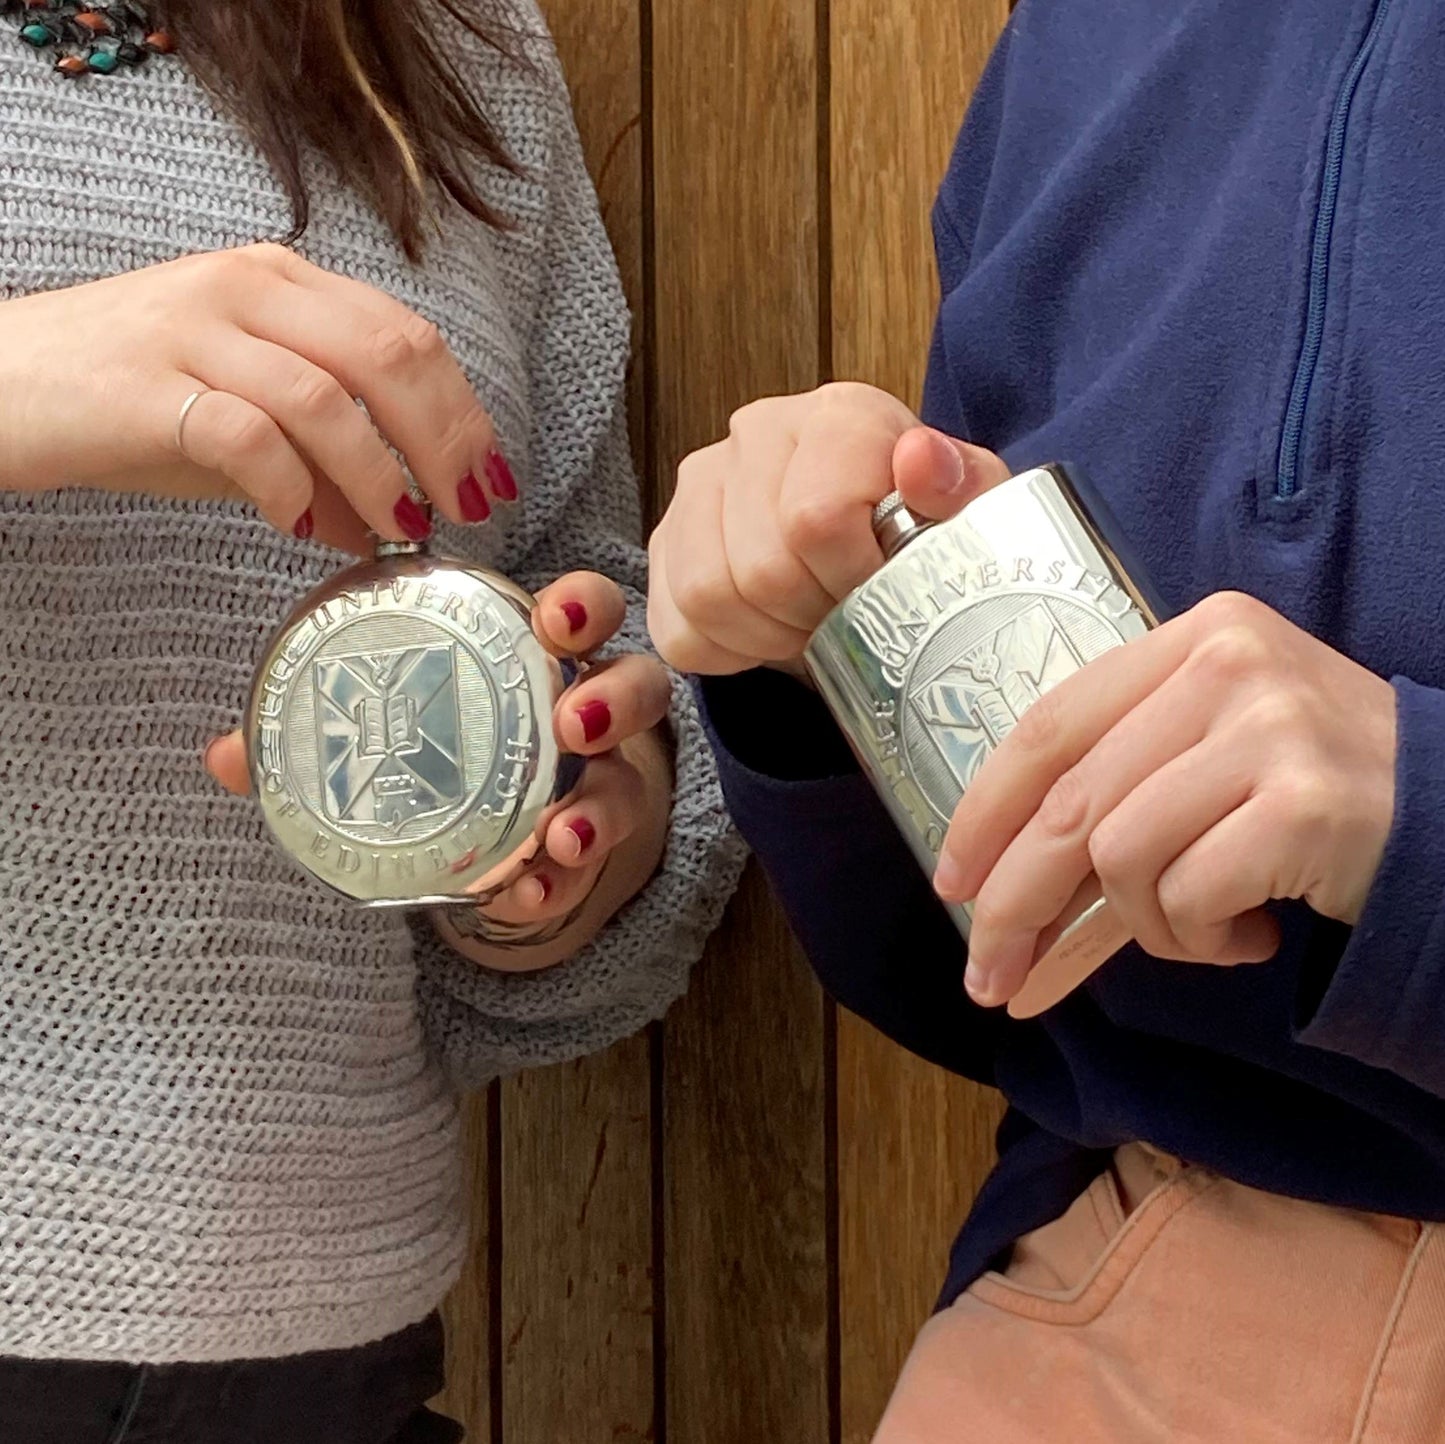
pixel 88 38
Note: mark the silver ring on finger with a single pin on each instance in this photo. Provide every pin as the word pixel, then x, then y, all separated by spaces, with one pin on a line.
pixel 186 405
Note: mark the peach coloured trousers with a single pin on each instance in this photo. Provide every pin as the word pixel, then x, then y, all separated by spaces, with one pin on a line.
pixel 1171 1306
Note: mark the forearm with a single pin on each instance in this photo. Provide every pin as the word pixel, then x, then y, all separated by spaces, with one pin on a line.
pixel 628 868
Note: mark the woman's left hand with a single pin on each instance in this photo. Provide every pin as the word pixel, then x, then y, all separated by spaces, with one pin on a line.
pixel 619 810
pixel 1224 760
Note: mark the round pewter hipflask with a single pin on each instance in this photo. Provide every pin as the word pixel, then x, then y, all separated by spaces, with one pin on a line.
pixel 400 731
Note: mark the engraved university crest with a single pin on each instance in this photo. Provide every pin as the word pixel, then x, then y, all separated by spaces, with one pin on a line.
pixel 982 668
pixel 389 735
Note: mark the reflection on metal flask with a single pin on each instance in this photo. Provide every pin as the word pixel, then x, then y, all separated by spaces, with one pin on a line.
pixel 400 731
pixel 931 663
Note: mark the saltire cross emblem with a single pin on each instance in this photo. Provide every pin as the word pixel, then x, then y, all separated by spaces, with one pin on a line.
pixel 977 699
pixel 389 735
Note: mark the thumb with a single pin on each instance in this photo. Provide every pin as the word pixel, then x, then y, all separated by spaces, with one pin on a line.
pixel 938 476
pixel 226 762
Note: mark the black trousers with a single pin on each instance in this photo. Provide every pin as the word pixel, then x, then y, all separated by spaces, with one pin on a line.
pixel 372 1395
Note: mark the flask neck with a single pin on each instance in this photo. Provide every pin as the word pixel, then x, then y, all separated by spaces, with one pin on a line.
pixel 385 547
pixel 895 526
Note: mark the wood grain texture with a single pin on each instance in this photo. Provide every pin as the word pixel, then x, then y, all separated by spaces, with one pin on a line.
pixel 576 1205
pixel 468 1308
pixel 735 186
pixel 600 45
pixel 577 1299
pixel 914 1143
pixel 718 241
pixel 747 1294
pixel 734 89
pixel 902 73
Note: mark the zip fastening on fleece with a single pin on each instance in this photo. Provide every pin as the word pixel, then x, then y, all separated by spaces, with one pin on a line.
pixel 1287 470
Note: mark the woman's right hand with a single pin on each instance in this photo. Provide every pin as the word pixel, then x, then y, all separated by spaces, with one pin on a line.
pixel 770 528
pixel 93 379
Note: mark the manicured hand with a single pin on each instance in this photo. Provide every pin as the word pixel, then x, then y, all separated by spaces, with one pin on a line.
pixel 770 528
pixel 602 716
pixel 1224 760
pixel 610 716
pixel 281 351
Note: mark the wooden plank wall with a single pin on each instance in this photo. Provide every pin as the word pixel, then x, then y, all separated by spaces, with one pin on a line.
pixel 729 1229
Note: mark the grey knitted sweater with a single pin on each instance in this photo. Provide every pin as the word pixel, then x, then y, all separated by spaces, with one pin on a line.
pixel 228 1106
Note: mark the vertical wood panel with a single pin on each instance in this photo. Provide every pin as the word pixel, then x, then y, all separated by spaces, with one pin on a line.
pixel 577 1296
pixel 735 206
pixel 735 185
pixel 577 1258
pixel 600 44
pixel 468 1308
pixel 914 1143
pixel 746 1267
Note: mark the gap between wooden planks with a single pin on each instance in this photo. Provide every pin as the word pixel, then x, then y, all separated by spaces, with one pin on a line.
pixel 730 1229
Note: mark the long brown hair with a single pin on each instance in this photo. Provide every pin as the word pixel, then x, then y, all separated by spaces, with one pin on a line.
pixel 367 83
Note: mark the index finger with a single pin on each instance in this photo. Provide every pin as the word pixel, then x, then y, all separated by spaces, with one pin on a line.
pixel 1053 735
pixel 840 470
pixel 577 613
pixel 414 387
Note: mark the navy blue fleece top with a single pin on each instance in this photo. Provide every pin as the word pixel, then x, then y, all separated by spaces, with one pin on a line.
pixel 1199 250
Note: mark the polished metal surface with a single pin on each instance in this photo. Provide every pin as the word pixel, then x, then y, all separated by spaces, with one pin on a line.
pixel 894 524
pixel 400 731
pixel 931 663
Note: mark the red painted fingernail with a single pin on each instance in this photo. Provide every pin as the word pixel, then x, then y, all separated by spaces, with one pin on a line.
pixel 596 718
pixel 500 476
pixel 545 883
pixel 411 518
pixel 472 499
pixel 305 525
pixel 576 615
pixel 584 832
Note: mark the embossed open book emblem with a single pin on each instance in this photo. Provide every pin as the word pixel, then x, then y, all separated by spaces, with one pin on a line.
pixel 1002 655
pixel 389 736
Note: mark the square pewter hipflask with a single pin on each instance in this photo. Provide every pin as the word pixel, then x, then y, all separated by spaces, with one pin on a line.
pixel 930 663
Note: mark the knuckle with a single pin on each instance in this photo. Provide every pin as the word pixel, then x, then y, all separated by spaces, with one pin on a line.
pixel 808 521
pixel 1039 728
pixel 764 411
pixel 992 916
pixel 1301 800
pixel 424 337
pixel 743 417
pixel 245 434
pixel 315 396
pixel 1230 609
pixel 691 468
pixel 1065 807
pixel 1110 853
pixel 1183 906
pixel 768 580
pixel 459 433
pixel 383 476
pixel 699 593
pixel 402 345
pixel 862 403
pixel 661 630
pixel 1231 653
pixel 267 253
pixel 1278 714
pixel 208 280
pixel 848 394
